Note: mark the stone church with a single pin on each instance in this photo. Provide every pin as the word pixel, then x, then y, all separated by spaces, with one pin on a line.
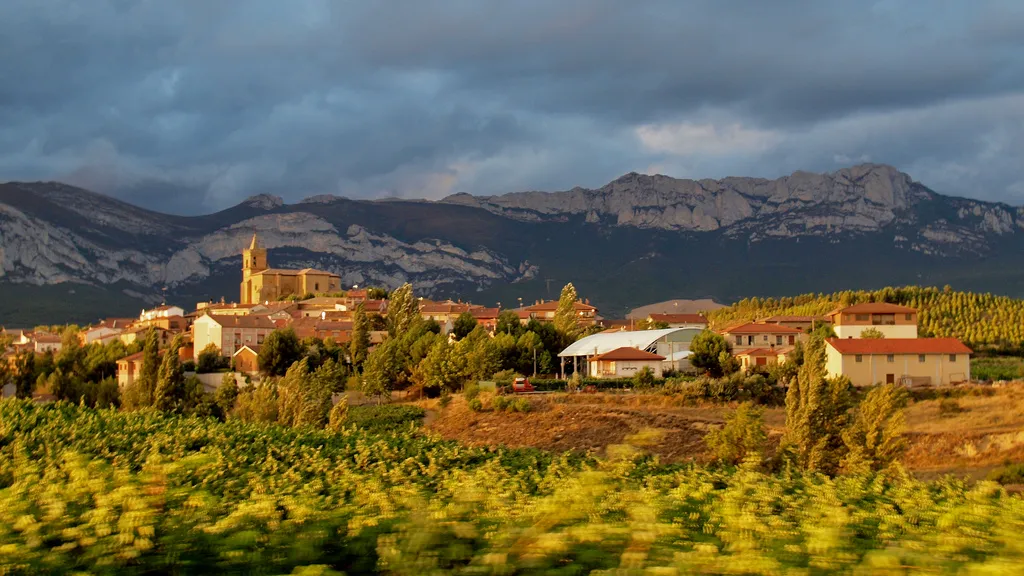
pixel 262 284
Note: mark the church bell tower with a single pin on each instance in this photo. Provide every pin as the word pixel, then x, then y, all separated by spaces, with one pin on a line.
pixel 254 260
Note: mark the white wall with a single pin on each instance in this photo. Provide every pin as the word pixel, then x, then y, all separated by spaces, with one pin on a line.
pixel 890 331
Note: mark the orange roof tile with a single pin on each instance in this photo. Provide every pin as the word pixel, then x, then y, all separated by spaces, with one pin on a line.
pixel 874 308
pixel 898 346
pixel 756 328
pixel 626 353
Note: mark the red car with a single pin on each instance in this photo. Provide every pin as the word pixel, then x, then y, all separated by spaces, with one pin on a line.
pixel 522 385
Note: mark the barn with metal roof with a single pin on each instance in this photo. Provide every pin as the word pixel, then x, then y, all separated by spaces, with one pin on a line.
pixel 672 343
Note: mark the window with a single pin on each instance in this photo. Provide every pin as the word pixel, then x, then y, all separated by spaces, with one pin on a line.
pixel 858 358
pixel 259 339
pixel 863 317
pixel 952 357
pixel 764 338
pixel 778 340
pixel 890 358
pixel 316 286
pixel 909 317
pixel 921 358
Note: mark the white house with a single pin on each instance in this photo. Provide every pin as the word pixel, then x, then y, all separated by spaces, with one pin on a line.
pixel 161 312
pixel 625 362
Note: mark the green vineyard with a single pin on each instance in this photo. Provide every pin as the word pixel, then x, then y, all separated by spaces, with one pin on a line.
pixel 980 320
pixel 99 491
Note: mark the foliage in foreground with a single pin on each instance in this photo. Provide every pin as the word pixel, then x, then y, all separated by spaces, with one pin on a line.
pixel 101 491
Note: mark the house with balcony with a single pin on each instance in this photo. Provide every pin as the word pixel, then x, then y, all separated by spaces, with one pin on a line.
pixel 761 335
pixel 751 358
pixel 229 333
pixel 892 320
pixel 544 311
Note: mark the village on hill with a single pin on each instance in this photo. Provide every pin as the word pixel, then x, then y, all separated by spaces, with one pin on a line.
pixel 869 343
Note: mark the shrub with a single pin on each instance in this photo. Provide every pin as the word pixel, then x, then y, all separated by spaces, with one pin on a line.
pixel 742 435
pixel 875 437
pixel 470 391
pixel 499 403
pixel 384 417
pixel 505 377
pixel 643 379
pixel 521 405
pixel 339 415
pixel 445 400
pixel 1009 474
pixel 949 407
pixel 476 405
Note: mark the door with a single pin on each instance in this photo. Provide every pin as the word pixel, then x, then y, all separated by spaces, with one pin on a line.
pixel 792 340
pixel 761 361
pixel 890 378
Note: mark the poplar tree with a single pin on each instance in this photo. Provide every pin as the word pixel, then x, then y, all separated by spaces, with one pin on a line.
pixel 566 321
pixel 146 382
pixel 360 345
pixel 170 381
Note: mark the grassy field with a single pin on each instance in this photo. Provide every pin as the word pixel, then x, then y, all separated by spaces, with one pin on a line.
pixel 991 369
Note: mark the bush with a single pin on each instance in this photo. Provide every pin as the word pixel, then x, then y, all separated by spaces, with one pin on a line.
pixel 1009 474
pixel 470 391
pixel 520 405
pixel 385 417
pixel 445 400
pixel 505 377
pixel 742 435
pixel 499 403
pixel 644 379
pixel 476 405
pixel 949 407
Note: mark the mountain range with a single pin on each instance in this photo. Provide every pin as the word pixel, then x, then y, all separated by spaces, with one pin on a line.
pixel 68 254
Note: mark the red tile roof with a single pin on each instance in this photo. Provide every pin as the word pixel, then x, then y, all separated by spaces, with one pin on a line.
pixel 784 318
pixel 251 321
pixel 446 308
pixel 551 305
pixel 485 313
pixel 898 346
pixel 874 308
pixel 679 318
pixel 626 353
pixel 754 328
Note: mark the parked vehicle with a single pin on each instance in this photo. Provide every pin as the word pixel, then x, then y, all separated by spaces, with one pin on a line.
pixel 521 385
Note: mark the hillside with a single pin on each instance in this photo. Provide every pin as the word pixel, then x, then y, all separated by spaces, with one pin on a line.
pixel 980 320
pixel 637 240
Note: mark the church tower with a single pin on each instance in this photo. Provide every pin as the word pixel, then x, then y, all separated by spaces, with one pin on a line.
pixel 254 260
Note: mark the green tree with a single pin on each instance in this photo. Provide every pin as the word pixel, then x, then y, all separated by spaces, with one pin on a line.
pixel 339 415
pixel 210 360
pixel 24 374
pixel 816 413
pixel 381 369
pixel 872 333
pixel 140 393
pixel 279 351
pixel 643 379
pixel 874 439
pixel 403 310
pixel 479 355
pixel 330 376
pixel 257 403
pixel 463 325
pixel 741 437
pixel 508 323
pixel 442 368
pixel 302 401
pixel 708 351
pixel 360 344
pixel 226 394
pixel 566 320
pixel 376 293
pixel 170 381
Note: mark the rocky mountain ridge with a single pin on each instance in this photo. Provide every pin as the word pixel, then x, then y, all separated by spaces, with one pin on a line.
pixel 863 198
pixel 635 240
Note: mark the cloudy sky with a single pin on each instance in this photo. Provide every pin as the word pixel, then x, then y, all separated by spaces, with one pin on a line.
pixel 192 105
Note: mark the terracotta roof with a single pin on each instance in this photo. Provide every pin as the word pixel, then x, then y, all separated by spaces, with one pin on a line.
pixel 766 351
pixel 283 272
pixel 626 353
pixel 447 308
pixel 485 313
pixel 874 308
pixel 784 318
pixel 144 328
pixel 231 306
pixel 553 305
pixel 679 318
pixel 333 325
pixel 898 346
pixel 250 321
pixel 255 349
pixel 755 328
pixel 47 338
pixel 116 322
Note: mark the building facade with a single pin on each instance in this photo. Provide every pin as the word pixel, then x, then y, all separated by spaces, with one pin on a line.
pixel 892 320
pixel 625 362
pixel 755 335
pixel 229 333
pixel 870 361
pixel 260 283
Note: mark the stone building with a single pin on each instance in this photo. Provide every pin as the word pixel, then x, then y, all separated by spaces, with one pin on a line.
pixel 262 284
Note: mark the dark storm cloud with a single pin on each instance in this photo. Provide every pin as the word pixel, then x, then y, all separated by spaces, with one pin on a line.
pixel 193 105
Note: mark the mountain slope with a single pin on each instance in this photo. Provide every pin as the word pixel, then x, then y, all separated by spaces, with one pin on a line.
pixel 636 240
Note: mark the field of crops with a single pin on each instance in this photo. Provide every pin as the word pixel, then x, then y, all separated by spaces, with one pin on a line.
pixel 107 492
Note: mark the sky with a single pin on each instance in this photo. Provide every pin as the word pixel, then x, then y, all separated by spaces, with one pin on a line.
pixel 190 106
